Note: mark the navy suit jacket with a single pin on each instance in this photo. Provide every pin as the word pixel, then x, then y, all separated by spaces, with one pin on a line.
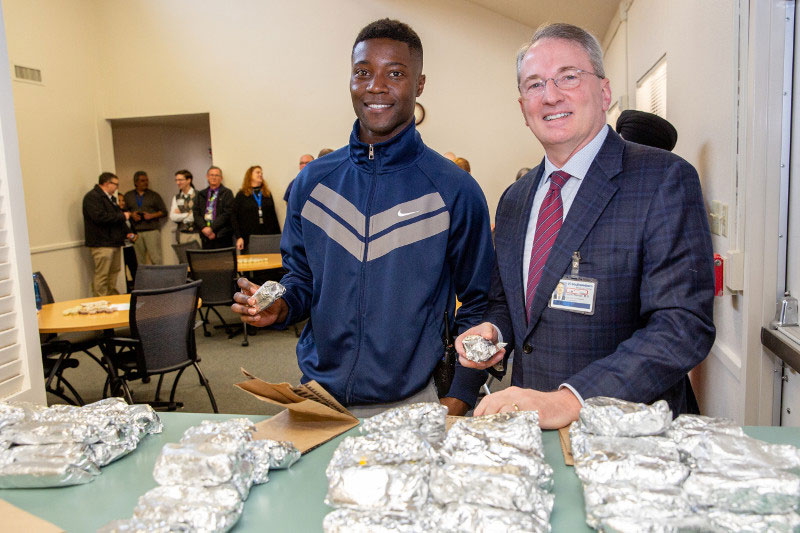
pixel 640 226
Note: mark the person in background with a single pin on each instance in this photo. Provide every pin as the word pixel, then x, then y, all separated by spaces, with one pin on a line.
pixel 128 253
pixel 450 155
pixel 521 172
pixel 105 232
pixel 304 160
pixel 647 128
pixel 253 209
pixel 621 226
pixel 181 211
pixel 463 164
pixel 212 212
pixel 146 208
pixel 378 289
pixel 324 151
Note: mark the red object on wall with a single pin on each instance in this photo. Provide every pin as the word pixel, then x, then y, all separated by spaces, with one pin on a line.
pixel 719 265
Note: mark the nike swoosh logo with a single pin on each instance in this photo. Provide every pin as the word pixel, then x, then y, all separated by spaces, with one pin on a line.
pixel 401 214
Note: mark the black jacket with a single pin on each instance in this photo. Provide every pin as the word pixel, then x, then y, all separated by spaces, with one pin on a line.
pixel 103 221
pixel 221 225
pixel 245 217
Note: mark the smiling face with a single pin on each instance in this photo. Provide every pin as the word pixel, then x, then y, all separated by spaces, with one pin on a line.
pixel 385 81
pixel 564 121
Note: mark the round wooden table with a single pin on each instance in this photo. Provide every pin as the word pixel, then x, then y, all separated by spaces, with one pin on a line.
pixel 250 262
pixel 53 320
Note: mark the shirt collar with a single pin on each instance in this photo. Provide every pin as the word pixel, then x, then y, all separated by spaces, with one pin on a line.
pixel 578 165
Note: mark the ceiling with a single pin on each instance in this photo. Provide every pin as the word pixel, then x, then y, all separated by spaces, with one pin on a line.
pixel 592 15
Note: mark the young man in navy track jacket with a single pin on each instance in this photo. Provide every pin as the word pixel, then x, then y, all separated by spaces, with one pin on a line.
pixel 380 237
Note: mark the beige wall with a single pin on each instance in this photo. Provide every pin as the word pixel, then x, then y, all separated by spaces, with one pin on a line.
pixel 272 75
pixel 700 41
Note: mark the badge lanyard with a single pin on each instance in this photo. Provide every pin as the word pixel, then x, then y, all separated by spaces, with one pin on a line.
pixel 211 207
pixel 139 200
pixel 257 196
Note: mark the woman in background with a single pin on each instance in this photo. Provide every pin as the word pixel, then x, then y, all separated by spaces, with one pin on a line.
pixel 253 209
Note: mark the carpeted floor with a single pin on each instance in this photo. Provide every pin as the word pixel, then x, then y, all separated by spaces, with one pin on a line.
pixel 270 356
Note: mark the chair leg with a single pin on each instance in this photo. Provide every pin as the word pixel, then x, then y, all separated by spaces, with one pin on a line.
pixel 206 333
pixel 158 387
pixel 208 387
pixel 77 396
pixel 175 385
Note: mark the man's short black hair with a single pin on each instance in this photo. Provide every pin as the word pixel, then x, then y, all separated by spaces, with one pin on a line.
pixel 105 177
pixel 394 30
pixel 138 174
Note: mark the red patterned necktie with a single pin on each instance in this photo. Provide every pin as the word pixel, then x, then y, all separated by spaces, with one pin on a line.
pixel 548 224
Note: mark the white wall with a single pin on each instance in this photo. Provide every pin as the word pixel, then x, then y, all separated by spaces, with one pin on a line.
pixel 272 75
pixel 160 151
pixel 700 40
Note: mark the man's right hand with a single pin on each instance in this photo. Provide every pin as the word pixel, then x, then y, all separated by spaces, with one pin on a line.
pixel 135 216
pixel 487 331
pixel 245 306
pixel 207 231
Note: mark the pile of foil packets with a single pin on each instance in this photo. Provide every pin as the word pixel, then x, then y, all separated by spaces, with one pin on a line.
pixel 408 473
pixel 205 478
pixel 66 445
pixel 643 471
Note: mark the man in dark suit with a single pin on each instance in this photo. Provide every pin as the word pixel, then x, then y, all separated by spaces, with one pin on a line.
pixel 212 212
pixel 603 283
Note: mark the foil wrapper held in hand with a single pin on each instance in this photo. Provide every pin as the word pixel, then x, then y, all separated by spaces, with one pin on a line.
pixel 427 419
pixel 479 350
pixel 268 294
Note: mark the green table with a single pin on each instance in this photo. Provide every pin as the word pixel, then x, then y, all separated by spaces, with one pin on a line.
pixel 292 501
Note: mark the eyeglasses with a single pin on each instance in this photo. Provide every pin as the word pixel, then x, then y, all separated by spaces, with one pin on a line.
pixel 566 81
pixel 114 183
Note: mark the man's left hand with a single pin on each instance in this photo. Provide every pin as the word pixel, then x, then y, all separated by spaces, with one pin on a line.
pixel 455 407
pixel 557 409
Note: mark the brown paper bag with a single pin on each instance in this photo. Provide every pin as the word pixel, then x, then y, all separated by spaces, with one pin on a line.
pixel 312 416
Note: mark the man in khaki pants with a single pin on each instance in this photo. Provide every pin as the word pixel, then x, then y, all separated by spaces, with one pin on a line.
pixel 105 232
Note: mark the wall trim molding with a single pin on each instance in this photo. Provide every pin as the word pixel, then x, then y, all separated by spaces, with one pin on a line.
pixel 56 247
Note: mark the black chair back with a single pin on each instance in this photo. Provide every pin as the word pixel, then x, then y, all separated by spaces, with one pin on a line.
pixel 160 276
pixel 180 249
pixel 44 289
pixel 264 244
pixel 163 322
pixel 218 271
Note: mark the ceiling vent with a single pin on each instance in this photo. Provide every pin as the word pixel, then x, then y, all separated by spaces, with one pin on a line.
pixel 27 74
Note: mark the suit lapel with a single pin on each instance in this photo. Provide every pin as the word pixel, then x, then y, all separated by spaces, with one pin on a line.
pixel 592 199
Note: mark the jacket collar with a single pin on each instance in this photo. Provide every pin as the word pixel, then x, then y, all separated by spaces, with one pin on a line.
pixel 398 152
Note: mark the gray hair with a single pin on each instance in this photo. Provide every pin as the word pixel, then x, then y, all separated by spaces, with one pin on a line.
pixel 567 32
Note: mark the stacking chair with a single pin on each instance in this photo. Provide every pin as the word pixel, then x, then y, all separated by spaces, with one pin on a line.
pixel 160 276
pixel 264 244
pixel 180 249
pixel 162 340
pixel 218 271
pixel 57 352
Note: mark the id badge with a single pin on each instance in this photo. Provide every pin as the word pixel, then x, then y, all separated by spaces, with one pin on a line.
pixel 574 293
pixel 179 202
pixel 209 217
pixel 260 216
